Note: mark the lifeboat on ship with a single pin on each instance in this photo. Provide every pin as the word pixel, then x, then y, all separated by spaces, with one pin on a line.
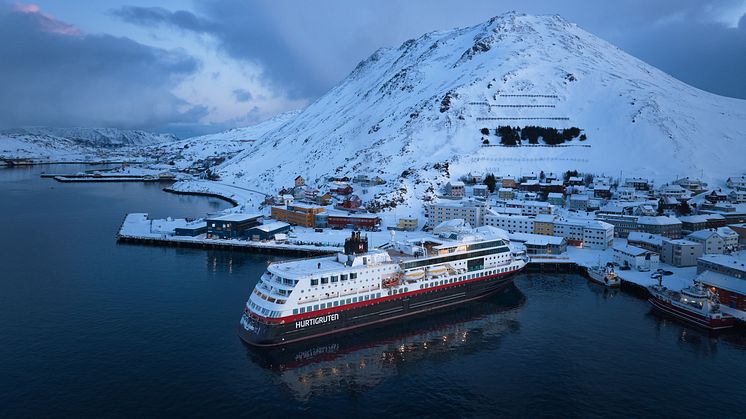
pixel 436 271
pixel 413 275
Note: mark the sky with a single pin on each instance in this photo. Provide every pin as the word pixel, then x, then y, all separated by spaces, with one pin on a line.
pixel 197 66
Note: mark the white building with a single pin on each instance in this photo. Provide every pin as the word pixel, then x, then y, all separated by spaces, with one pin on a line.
pixel 672 191
pixel 510 223
pixel 712 242
pixel 738 182
pixel 638 183
pixel 455 189
pixel 737 196
pixel 470 210
pixel 527 207
pixel 624 194
pixel 587 233
pixel 635 257
pixel 579 202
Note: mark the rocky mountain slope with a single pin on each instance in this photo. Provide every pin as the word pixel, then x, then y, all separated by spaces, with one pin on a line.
pixel 413 114
pixel 73 143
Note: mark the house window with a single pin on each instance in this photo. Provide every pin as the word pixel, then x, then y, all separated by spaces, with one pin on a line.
pixel 353 275
pixel 324 280
pixel 314 281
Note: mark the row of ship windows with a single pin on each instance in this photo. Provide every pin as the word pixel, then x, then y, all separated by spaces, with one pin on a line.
pixel 327 296
pixel 263 311
pixel 337 303
pixel 333 278
pixel 268 298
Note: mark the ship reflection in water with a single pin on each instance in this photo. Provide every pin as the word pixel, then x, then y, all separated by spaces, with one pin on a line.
pixel 364 358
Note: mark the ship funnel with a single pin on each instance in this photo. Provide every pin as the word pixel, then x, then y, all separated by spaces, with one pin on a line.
pixel 356 244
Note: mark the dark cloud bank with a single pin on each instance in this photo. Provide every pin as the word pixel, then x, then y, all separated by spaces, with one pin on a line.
pixel 51 74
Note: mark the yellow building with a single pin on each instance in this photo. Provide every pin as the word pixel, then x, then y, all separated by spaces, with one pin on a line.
pixel 297 214
pixel 408 224
pixel 544 225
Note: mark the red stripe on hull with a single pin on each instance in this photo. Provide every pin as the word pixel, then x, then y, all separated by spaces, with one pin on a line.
pixel 324 312
pixel 357 326
pixel 695 318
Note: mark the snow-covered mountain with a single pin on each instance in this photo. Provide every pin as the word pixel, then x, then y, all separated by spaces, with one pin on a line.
pixel 75 143
pixel 193 151
pixel 404 112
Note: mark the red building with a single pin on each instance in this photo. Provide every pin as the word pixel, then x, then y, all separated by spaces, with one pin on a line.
pixel 342 190
pixel 353 202
pixel 361 221
pixel 731 290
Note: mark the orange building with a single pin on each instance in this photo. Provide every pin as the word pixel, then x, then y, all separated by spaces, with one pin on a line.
pixel 297 214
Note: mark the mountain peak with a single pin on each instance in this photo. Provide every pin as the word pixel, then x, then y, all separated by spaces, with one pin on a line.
pixel 413 108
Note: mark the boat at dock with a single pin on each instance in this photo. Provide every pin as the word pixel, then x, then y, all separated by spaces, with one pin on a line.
pixel 695 304
pixel 308 298
pixel 605 275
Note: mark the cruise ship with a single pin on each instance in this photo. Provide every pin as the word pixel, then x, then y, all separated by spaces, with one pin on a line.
pixel 308 298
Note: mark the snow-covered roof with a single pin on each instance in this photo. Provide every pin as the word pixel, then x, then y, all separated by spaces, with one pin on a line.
pixel 703 234
pixel 682 242
pixel 544 218
pixel 701 218
pixel 456 183
pixel 555 195
pixel 658 220
pixel 235 217
pixel 735 261
pixel 722 281
pixel 271 226
pixel 630 250
pixel 536 239
pixel 653 239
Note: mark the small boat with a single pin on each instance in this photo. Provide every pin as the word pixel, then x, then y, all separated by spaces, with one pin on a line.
pixel 437 270
pixel 414 274
pixel 695 304
pixel 604 275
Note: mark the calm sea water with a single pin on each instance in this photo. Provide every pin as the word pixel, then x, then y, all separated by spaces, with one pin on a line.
pixel 92 328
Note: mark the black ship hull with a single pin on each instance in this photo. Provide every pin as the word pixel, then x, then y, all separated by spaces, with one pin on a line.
pixel 257 332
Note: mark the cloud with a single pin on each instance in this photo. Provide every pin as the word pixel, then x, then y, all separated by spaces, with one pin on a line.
pixel 708 55
pixel 246 32
pixel 55 75
pixel 147 16
pixel 242 95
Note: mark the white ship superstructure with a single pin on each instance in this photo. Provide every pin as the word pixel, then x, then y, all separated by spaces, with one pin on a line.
pixel 322 294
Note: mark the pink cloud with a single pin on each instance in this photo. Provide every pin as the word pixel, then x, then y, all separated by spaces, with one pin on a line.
pixel 48 23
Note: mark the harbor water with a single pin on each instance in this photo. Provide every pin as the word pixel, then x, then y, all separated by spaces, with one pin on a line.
pixel 89 327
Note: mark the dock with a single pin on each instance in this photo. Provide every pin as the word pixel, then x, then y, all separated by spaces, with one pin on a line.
pixel 99 177
pixel 137 228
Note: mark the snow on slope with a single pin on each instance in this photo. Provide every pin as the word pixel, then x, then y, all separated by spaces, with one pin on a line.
pixel 72 143
pixel 413 106
pixel 187 153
